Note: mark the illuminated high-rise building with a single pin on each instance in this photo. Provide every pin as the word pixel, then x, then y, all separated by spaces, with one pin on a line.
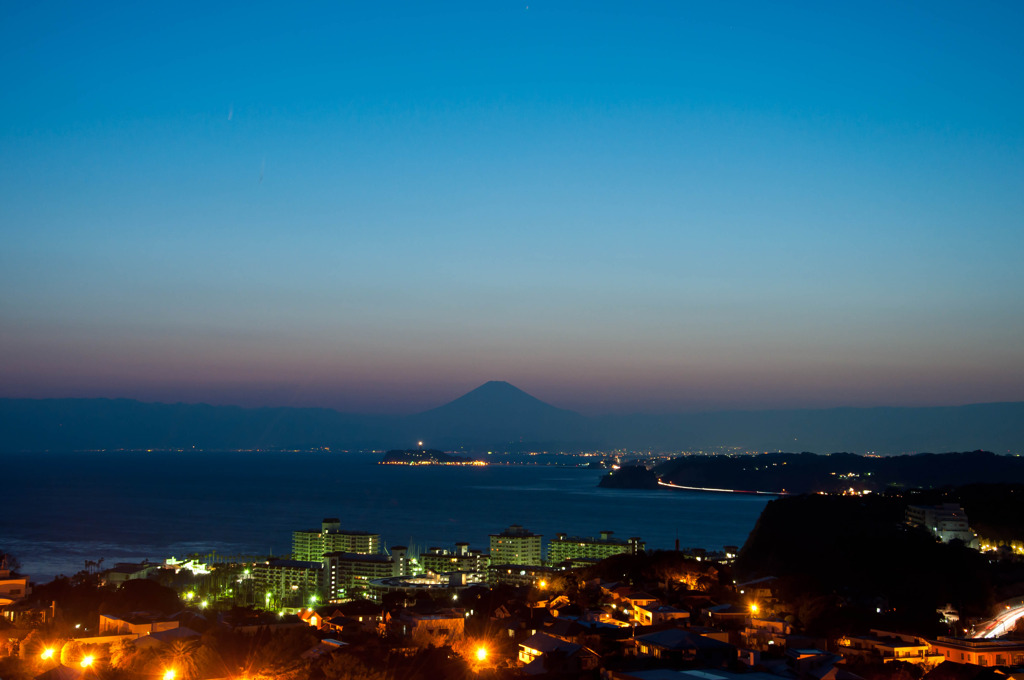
pixel 516 545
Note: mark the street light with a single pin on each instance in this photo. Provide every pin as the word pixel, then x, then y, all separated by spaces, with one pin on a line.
pixel 481 654
pixel 86 660
pixel 47 653
pixel 169 674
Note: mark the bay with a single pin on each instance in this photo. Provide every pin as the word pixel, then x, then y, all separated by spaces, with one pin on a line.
pixel 63 509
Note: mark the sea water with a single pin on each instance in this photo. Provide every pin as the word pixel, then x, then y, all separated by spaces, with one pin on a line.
pixel 62 509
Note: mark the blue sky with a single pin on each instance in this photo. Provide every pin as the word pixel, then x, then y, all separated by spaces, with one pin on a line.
pixel 615 206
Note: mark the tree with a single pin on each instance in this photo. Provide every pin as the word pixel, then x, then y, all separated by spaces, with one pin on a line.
pixel 142 595
pixel 181 656
pixel 122 654
pixel 71 653
pixel 9 561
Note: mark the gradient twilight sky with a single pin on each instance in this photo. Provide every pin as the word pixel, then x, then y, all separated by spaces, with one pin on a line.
pixel 617 207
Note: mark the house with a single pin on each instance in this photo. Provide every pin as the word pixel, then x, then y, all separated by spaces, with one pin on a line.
pixel 949 670
pixel 729 616
pixel 129 571
pixel 165 637
pixel 657 614
pixel 981 652
pixel 312 617
pixel 759 590
pixel 437 627
pixel 815 664
pixel 764 631
pixel 633 597
pixel 884 647
pixel 672 674
pixel 676 645
pixel 136 623
pixel 543 653
pixel 13 587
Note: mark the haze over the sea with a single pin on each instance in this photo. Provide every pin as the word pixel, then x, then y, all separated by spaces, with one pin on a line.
pixel 617 207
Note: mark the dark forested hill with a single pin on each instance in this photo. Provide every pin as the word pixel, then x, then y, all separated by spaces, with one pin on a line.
pixel 841 560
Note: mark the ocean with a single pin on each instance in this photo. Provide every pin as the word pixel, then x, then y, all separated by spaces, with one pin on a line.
pixel 62 509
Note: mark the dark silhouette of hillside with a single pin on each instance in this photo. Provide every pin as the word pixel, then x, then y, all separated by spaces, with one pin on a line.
pixel 502 417
pixel 840 559
pixel 809 472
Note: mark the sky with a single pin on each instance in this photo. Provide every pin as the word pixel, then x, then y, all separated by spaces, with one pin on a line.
pixel 618 207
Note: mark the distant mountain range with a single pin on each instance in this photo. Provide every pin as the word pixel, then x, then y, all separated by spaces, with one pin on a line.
pixel 499 416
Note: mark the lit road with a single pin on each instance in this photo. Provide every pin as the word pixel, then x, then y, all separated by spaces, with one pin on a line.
pixel 701 488
pixel 1002 623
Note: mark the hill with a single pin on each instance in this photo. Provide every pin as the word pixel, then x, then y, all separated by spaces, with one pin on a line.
pixel 810 473
pixel 501 417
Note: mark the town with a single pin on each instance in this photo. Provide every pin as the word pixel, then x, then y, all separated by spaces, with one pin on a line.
pixel 344 605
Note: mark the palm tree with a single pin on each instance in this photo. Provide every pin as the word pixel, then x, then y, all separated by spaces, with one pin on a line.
pixel 181 656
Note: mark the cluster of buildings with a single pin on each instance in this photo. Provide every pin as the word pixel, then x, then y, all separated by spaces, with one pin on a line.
pixel 680 622
pixel 658 632
pixel 331 564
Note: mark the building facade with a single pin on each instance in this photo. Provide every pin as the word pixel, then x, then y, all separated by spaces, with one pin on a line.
pixel 516 545
pixel 310 545
pixel 288 584
pixel 347 574
pixel 980 652
pixel 947 521
pixel 564 547
pixel 443 561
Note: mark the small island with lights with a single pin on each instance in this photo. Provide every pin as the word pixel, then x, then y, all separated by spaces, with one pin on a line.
pixel 425 457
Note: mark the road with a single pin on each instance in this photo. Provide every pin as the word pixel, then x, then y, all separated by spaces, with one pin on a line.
pixel 702 488
pixel 1000 624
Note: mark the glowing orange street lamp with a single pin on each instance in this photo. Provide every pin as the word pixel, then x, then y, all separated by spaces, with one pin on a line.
pixel 47 653
pixel 753 609
pixel 169 674
pixel 481 654
pixel 87 661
